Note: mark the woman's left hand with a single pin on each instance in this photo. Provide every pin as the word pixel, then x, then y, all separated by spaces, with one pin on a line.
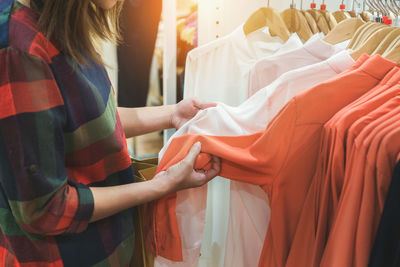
pixel 186 110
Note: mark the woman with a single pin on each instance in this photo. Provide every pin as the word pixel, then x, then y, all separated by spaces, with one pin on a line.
pixel 66 181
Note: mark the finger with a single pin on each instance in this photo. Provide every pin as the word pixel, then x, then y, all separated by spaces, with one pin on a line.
pixel 200 177
pixel 193 153
pixel 202 105
pixel 207 105
pixel 215 169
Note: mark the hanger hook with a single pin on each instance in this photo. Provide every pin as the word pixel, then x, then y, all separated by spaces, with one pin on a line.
pixel 384 7
pixel 397 7
pixel 372 5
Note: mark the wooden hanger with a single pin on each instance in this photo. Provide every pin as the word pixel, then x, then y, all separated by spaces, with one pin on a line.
pixel 329 18
pixel 345 30
pixel 267 17
pixel 394 53
pixel 358 33
pixel 311 22
pixel 365 15
pixel 391 46
pixel 352 14
pixel 340 15
pixel 365 34
pixel 369 46
pixel 322 24
pixel 296 22
pixel 387 41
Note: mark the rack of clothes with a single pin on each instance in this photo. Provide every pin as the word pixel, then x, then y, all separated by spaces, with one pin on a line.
pixel 306 128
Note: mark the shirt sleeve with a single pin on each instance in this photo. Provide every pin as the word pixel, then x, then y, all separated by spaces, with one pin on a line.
pixel 255 159
pixel 33 176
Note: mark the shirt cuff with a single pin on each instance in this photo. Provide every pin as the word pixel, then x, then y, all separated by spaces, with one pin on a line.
pixel 85 208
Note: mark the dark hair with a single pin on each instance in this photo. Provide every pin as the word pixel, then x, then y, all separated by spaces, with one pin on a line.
pixel 76 25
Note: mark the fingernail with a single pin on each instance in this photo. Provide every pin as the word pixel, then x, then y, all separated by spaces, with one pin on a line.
pixel 198 144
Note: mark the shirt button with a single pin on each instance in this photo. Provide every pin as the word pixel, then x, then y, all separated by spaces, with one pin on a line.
pixel 33 168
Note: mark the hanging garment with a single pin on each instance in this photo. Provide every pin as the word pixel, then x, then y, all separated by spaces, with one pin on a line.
pixel 247 225
pixel 250 215
pixel 271 159
pixel 353 132
pixel 315 50
pixel 327 183
pixel 366 182
pixel 252 116
pixel 386 248
pixel 215 236
pixel 225 64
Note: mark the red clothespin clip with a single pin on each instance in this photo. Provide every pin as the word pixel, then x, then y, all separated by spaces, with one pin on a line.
pixel 342 7
pixel 384 19
pixel 323 7
pixel 388 22
pixel 313 5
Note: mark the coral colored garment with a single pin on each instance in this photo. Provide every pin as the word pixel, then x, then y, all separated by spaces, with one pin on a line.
pixel 376 117
pixel 271 159
pixel 248 220
pixel 327 183
pixel 377 178
pixel 351 229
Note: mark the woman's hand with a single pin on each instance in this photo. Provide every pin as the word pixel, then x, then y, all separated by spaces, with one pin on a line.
pixel 113 199
pixel 182 175
pixel 187 109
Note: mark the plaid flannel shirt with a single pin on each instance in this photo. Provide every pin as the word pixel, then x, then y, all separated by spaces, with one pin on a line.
pixel 59 134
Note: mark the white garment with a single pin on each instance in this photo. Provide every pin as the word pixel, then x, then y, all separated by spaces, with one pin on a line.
pixel 223 64
pixel 218 72
pixel 267 70
pixel 243 247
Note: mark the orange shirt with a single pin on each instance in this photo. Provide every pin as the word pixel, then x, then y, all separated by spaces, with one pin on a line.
pixel 355 225
pixel 324 193
pixel 281 159
pixel 377 178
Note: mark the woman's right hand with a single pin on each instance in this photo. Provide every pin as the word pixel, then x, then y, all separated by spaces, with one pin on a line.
pixel 183 175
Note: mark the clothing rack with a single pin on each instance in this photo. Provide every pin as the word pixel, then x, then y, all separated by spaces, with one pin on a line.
pixel 211 27
pixel 216 220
